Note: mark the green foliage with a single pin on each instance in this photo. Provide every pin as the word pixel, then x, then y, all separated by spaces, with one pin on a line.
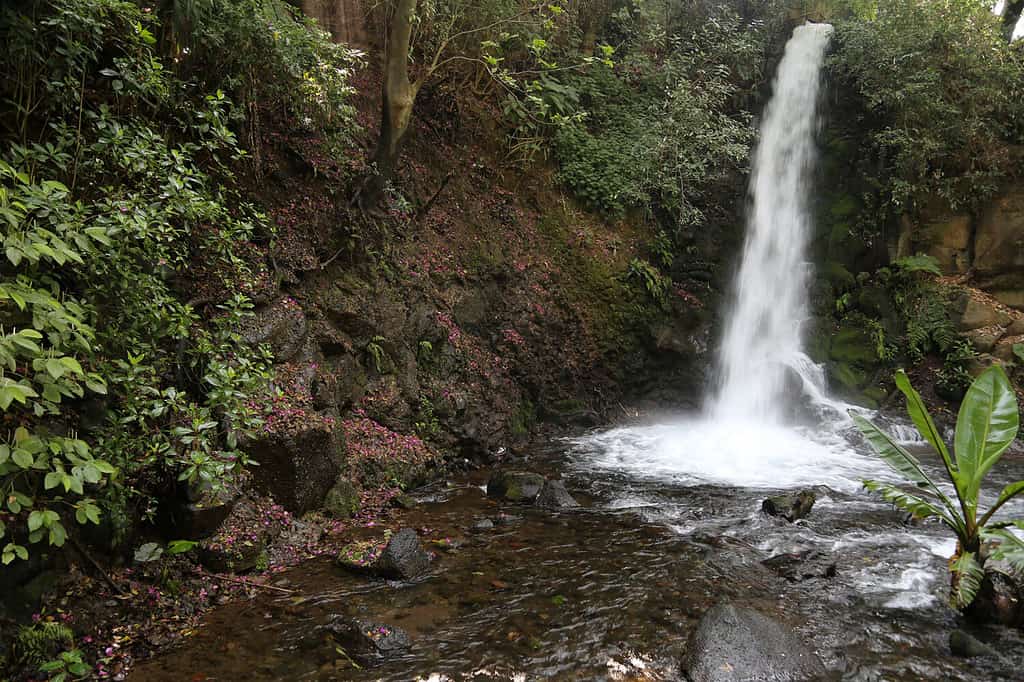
pixel 662 131
pixel 986 426
pixel 654 283
pixel 41 643
pixel 117 186
pixel 427 424
pixel 378 354
pixel 939 93
pixel 919 263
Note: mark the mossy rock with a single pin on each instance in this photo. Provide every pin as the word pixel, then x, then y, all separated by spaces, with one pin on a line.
pixel 342 501
pixel 515 486
pixel 837 275
pixel 854 346
pixel 847 376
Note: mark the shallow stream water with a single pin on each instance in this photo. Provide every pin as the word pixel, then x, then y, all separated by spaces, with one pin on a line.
pixel 613 590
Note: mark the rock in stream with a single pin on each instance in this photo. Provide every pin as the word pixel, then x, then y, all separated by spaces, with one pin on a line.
pixel 733 643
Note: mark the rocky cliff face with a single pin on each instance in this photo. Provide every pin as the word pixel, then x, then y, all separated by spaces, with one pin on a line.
pixel 989 245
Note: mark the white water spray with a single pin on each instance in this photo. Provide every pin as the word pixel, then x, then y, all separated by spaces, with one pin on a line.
pixel 741 440
pixel 762 337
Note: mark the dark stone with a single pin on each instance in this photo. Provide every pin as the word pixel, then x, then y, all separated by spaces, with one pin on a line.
pixel 342 501
pixel 1001 597
pixel 298 468
pixel 199 512
pixel 732 643
pixel 801 565
pixel 283 325
pixel 401 557
pixel 554 496
pixel 366 641
pixel 967 646
pixel 790 507
pixel 515 486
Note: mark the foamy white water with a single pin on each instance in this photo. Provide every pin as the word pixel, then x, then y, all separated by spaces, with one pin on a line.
pixel 741 440
pixel 763 338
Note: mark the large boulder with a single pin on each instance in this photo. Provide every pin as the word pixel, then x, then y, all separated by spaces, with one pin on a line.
pixel 999 248
pixel 297 466
pixel 515 486
pixel 400 557
pixel 733 643
pixel 554 496
pixel 976 313
pixel 342 500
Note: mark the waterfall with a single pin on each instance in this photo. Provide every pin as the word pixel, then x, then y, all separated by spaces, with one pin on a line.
pixel 762 340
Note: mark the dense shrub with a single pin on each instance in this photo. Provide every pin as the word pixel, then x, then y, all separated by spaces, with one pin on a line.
pixel 939 96
pixel 116 186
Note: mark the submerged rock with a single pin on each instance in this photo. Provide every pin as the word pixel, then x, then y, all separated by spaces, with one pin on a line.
pixel 790 507
pixel 554 496
pixel 967 646
pixel 483 524
pixel 400 557
pixel 801 565
pixel 515 486
pixel 366 641
pixel 732 643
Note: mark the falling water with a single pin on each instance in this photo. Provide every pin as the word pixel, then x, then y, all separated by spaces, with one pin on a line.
pixel 741 438
pixel 762 337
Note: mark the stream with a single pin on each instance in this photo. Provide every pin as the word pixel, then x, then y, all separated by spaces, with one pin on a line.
pixel 613 590
pixel 671 521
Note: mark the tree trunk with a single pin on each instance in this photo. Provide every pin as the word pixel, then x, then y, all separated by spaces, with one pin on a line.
pixel 397 99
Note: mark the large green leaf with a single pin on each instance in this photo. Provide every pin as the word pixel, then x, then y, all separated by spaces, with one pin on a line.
pixel 906 465
pixel 1009 492
pixel 915 505
pixel 1010 547
pixel 967 577
pixel 923 421
pixel 985 428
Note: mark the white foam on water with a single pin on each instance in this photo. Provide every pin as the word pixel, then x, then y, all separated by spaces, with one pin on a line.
pixel 737 453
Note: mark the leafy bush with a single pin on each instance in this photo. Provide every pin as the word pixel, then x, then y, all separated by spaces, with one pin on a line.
pixel 940 98
pixel 985 428
pixel 116 189
pixel 663 129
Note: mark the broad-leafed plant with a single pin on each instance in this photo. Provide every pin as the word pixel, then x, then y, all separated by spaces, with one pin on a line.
pixel 986 426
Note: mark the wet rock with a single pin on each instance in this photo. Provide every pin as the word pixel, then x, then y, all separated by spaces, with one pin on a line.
pixel 515 486
pixel 801 565
pixel 367 642
pixel 1001 597
pixel 483 525
pixel 790 507
pixel 966 646
pixel 297 467
pixel 733 643
pixel 202 511
pixel 554 496
pixel 400 557
pixel 404 502
pixel 342 501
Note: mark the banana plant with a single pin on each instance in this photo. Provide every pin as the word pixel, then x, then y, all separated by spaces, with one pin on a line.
pixel 986 426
